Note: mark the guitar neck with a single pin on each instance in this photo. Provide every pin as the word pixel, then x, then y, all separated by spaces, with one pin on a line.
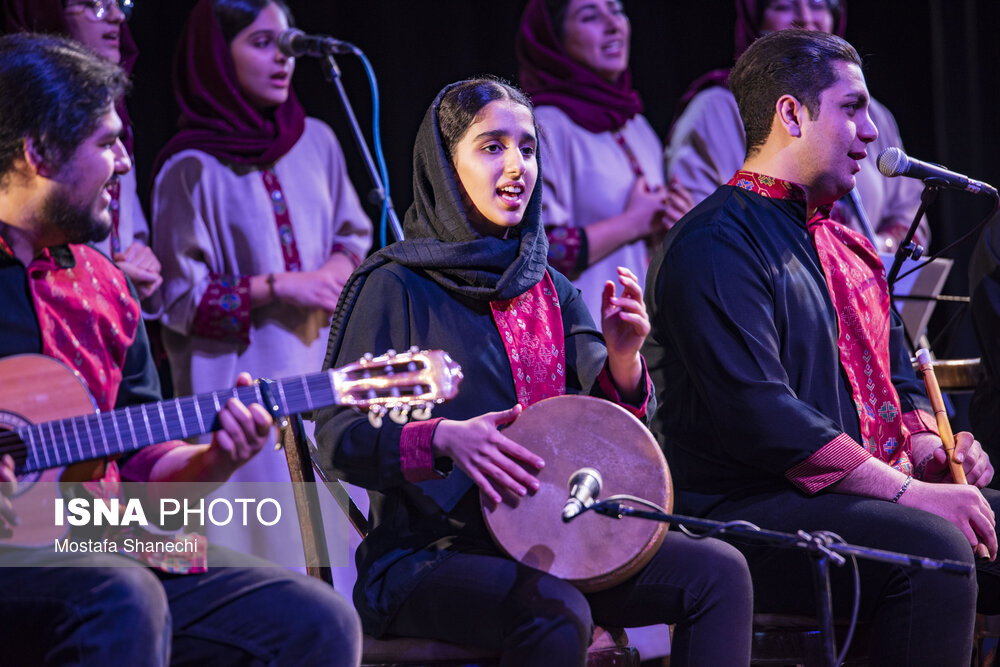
pixel 66 441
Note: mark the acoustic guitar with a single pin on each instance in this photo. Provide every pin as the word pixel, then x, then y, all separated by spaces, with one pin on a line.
pixel 53 429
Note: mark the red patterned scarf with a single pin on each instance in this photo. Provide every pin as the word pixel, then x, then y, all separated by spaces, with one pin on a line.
pixel 531 328
pixel 87 316
pixel 856 282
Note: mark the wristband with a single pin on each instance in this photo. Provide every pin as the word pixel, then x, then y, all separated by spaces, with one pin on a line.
pixel 902 489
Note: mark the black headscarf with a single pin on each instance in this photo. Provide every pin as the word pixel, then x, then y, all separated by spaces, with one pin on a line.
pixel 442 243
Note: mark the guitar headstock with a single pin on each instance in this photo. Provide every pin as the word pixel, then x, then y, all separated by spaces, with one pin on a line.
pixel 406 384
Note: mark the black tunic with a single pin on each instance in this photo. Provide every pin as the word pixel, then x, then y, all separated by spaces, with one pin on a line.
pixel 743 351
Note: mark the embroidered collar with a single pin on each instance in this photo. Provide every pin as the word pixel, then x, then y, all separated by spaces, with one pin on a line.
pixel 776 188
pixel 767 186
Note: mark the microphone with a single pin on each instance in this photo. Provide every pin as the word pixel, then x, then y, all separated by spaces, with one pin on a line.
pixel 294 43
pixel 584 487
pixel 894 162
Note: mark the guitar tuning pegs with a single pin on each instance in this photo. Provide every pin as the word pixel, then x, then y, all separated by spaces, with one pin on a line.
pixel 400 414
pixel 414 349
pixel 368 356
pixel 375 414
pixel 390 353
pixel 421 413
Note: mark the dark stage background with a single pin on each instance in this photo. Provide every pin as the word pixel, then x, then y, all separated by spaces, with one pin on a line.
pixel 932 62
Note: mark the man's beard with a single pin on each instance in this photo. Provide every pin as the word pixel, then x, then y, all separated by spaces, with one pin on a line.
pixel 76 224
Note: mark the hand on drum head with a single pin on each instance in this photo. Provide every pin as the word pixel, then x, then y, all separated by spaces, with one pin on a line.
pixel 486 455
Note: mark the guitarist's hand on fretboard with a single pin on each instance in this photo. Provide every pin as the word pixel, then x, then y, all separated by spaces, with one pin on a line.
pixel 245 430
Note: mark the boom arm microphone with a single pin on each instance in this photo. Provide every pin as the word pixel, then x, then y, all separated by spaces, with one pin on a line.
pixel 294 43
pixel 584 487
pixel 894 162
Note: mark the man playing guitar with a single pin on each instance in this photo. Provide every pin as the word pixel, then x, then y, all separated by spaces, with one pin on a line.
pixel 59 153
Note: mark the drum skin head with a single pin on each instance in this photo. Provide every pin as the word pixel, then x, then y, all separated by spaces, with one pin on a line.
pixel 593 552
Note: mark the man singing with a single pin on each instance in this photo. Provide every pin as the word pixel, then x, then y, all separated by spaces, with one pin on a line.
pixel 786 397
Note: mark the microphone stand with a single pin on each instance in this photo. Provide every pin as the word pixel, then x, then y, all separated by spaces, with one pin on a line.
pixel 332 73
pixel 819 545
pixel 907 248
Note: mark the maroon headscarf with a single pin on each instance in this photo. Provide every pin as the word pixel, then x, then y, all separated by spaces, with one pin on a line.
pixel 47 16
pixel 748 19
pixel 216 117
pixel 549 76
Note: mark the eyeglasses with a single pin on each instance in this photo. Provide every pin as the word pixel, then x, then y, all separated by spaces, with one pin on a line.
pixel 100 9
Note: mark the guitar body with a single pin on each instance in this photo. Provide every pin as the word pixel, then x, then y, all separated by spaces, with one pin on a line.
pixel 34 389
pixel 50 423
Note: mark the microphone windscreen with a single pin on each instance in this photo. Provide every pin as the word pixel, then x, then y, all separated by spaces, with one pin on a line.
pixel 892 162
pixel 286 41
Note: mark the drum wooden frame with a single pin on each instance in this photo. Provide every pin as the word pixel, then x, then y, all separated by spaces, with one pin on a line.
pixel 593 552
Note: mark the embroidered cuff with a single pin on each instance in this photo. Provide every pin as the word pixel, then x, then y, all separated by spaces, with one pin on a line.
pixel 224 311
pixel 416 457
pixel 828 464
pixel 568 252
pixel 920 421
pixel 607 387
pixel 353 256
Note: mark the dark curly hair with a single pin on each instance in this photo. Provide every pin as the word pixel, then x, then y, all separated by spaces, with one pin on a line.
pixel 54 92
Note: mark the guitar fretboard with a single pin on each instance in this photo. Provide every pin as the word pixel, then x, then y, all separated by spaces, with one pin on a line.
pixel 66 441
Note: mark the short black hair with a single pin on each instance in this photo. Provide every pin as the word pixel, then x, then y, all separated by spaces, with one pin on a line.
pixel 792 62
pixel 235 15
pixel 54 92
pixel 463 101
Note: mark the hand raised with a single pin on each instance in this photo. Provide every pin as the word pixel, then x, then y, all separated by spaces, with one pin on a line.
pixel 625 325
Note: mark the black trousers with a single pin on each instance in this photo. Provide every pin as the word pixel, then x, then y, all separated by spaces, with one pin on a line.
pixel 532 618
pixel 917 616
pixel 109 610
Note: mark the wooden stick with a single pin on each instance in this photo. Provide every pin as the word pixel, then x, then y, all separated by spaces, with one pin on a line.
pixel 937 403
pixel 944 426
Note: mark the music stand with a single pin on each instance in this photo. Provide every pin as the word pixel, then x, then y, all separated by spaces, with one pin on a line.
pixel 915 294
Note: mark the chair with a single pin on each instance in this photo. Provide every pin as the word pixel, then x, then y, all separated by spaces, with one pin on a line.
pixel 780 639
pixel 609 648
pixel 785 639
pixel 986 641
